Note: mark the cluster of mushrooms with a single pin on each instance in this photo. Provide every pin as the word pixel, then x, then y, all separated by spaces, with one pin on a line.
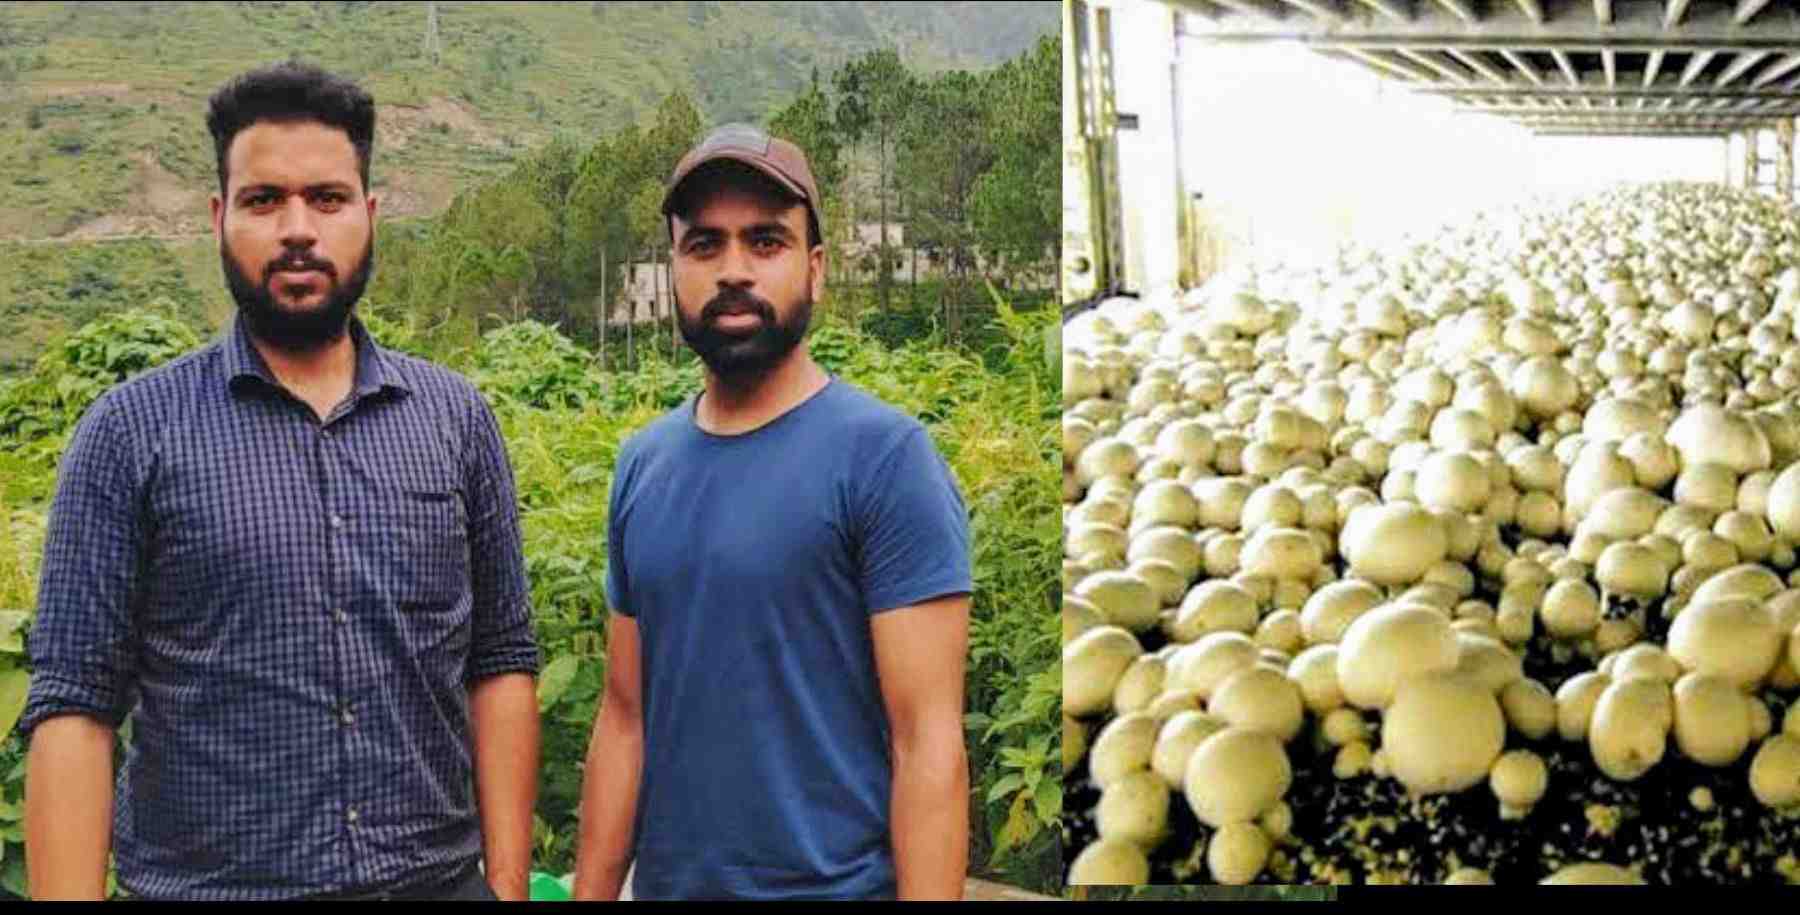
pixel 1413 515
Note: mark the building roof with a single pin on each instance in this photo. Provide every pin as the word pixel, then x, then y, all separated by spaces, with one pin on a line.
pixel 1556 67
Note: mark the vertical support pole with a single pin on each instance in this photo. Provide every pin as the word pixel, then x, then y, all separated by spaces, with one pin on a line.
pixel 1784 160
pixel 434 48
pixel 1091 209
pixel 605 306
pixel 1187 267
pixel 1727 143
pixel 1750 159
pixel 669 283
pixel 912 295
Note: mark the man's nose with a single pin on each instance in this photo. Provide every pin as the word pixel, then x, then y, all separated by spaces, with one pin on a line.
pixel 296 224
pixel 735 268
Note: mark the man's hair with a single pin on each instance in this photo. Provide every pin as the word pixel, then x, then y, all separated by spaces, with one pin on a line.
pixel 721 173
pixel 288 93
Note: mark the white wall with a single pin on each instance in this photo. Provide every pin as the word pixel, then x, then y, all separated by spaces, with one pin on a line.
pixel 1294 150
pixel 1143 85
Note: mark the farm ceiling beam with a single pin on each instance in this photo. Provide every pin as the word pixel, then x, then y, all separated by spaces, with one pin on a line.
pixel 1776 71
pixel 1637 27
pixel 1460 8
pixel 1739 67
pixel 1747 9
pixel 1468 59
pixel 1397 10
pixel 1675 9
pixel 1627 132
pixel 1562 60
pixel 1523 66
pixel 1318 9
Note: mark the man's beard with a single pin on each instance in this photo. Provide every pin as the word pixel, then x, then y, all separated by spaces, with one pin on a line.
pixel 739 355
pixel 305 329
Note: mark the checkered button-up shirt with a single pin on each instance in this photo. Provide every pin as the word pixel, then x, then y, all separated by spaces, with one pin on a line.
pixel 291 611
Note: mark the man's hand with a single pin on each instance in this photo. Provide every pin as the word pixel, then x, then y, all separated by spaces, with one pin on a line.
pixel 68 808
pixel 613 771
pixel 920 657
pixel 504 714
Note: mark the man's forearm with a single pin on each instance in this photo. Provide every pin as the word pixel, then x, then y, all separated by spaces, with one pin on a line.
pixel 614 768
pixel 930 813
pixel 68 808
pixel 504 713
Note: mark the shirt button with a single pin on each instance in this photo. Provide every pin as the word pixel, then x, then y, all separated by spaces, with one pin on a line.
pixel 351 815
pixel 340 616
pixel 337 520
pixel 345 716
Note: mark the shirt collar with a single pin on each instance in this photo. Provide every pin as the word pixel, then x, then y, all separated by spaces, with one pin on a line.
pixel 374 372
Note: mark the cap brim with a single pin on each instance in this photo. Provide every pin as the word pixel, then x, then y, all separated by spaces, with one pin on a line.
pixel 760 165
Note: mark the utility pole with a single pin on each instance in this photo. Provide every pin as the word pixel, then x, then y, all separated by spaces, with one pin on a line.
pixel 434 49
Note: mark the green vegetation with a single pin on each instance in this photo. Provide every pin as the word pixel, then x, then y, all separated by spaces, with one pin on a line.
pixel 102 103
pixel 566 225
pixel 992 418
pixel 561 232
pixel 50 290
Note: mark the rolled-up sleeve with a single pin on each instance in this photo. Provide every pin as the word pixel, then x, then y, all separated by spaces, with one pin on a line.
pixel 83 643
pixel 502 637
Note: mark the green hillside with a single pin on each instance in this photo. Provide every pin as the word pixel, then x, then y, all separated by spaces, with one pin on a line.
pixel 101 104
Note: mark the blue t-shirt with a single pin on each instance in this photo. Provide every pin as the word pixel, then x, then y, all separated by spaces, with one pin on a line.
pixel 752 564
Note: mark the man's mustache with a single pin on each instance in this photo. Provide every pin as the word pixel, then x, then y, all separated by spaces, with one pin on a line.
pixel 299 263
pixel 737 300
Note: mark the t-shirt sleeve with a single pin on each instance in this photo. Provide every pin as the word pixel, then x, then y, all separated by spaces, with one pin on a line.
pixel 618 596
pixel 914 543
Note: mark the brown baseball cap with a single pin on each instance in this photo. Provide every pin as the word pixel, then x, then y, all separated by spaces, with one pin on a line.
pixel 779 159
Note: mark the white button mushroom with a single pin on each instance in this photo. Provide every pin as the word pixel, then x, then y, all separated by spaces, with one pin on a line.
pixel 1630 728
pixel 1179 736
pixel 1518 779
pixel 1134 808
pixel 1110 862
pixel 1092 665
pixel 1735 638
pixel 1775 772
pixel 1712 719
pixel 1386 646
pixel 1237 853
pixel 1442 733
pixel 1236 775
pixel 1260 698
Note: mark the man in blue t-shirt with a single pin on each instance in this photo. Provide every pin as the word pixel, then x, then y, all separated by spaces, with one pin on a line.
pixel 788 568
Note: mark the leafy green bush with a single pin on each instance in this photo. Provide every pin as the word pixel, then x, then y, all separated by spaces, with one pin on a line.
pixel 529 364
pixel 563 422
pixel 75 372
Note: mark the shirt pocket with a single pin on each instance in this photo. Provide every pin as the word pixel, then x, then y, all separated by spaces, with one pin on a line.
pixel 424 530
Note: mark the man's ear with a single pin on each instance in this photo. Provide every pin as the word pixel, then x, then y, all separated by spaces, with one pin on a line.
pixel 816 264
pixel 218 218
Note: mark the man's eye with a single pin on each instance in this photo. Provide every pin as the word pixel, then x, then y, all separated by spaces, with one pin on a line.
pixel 260 200
pixel 766 244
